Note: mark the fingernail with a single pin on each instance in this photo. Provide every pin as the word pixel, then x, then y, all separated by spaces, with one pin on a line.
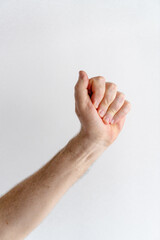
pixel 101 113
pixel 112 121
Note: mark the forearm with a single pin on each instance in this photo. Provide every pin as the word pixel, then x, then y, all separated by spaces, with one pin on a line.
pixel 28 203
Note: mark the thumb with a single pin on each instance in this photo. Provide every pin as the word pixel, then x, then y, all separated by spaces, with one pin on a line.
pixel 83 80
pixel 81 91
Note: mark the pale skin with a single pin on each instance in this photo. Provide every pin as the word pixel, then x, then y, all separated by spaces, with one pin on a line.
pixel 102 110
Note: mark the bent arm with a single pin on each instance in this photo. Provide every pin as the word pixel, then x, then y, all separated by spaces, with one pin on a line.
pixel 24 207
pixel 28 203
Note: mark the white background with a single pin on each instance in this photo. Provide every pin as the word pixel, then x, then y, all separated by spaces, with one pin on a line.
pixel 43 45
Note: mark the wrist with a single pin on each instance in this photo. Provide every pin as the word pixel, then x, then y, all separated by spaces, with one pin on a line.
pixel 83 150
pixel 90 143
pixel 96 141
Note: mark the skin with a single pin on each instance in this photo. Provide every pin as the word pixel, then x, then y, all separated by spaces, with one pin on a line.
pixel 25 206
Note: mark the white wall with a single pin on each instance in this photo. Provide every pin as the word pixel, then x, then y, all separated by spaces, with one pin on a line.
pixel 43 45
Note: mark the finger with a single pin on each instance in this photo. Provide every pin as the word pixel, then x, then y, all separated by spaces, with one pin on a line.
pixel 97 87
pixel 122 112
pixel 109 96
pixel 114 107
pixel 81 91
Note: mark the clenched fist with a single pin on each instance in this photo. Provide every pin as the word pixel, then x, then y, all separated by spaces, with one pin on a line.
pixel 100 107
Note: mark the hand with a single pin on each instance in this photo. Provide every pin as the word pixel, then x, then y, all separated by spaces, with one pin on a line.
pixel 100 108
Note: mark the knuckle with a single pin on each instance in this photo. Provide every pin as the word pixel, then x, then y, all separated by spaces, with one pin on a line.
pixel 99 93
pixel 117 105
pixel 108 99
pixel 120 96
pixel 76 86
pixel 112 111
pixel 128 105
pixel 105 101
pixel 112 86
pixel 101 78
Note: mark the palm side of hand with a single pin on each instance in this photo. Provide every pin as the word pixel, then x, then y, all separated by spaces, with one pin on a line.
pixel 95 125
